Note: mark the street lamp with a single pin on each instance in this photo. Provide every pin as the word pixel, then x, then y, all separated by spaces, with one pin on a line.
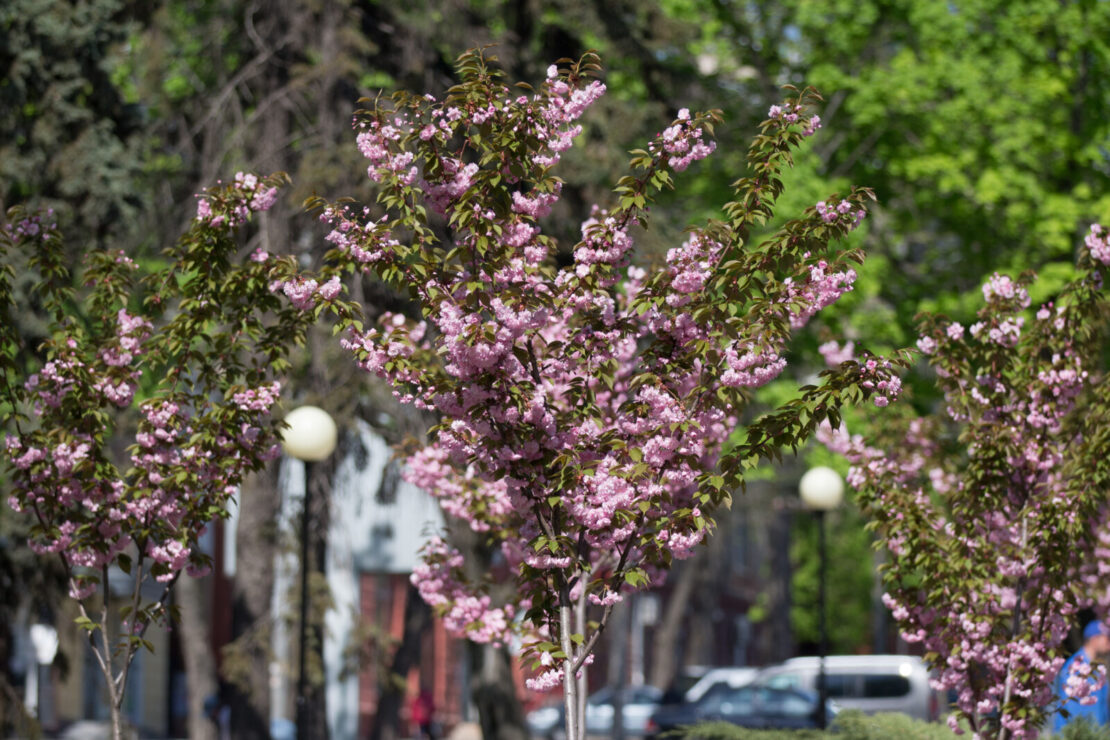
pixel 310 437
pixel 822 490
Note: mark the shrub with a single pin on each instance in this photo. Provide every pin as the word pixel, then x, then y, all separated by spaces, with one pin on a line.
pixel 849 725
pixel 1082 729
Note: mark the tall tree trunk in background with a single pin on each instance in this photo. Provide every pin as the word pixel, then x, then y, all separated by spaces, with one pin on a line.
pixel 493 692
pixel 666 649
pixel 701 588
pixel 781 642
pixel 196 647
pixel 702 609
pixel 251 592
pixel 391 686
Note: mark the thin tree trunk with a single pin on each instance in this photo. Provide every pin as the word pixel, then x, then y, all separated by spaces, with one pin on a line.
pixel 200 665
pixel 580 677
pixel 116 717
pixel 570 685
pixel 104 658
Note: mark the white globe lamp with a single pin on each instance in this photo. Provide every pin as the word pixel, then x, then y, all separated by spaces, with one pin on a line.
pixel 821 488
pixel 311 435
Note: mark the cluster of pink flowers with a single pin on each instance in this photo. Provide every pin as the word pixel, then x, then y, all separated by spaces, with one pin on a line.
pixel 53 382
pixel 1002 290
pixel 690 266
pixel 683 142
pixel 753 369
pixel 842 211
pixel 879 376
pixel 60 486
pixel 232 207
pixel 553 674
pixel 834 353
pixel 431 470
pixel 303 293
pixel 1098 244
pixel 462 611
pixel 792 114
pixel 562 103
pixel 258 399
pixel 1084 679
pixel 377 142
pixel 37 226
pixel 604 241
pixel 817 291
pixel 118 385
pixel 458 179
pixel 357 238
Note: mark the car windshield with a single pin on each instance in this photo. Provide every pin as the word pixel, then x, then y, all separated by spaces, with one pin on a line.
pixel 786 704
pixel 727 699
pixel 712 696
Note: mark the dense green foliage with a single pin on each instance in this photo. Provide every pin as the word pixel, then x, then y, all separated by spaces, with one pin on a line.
pixel 68 137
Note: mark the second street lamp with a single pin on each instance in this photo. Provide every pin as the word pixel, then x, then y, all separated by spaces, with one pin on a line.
pixel 310 437
pixel 822 490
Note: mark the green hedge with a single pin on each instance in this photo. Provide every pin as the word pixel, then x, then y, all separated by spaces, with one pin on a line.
pixel 1081 729
pixel 854 725
pixel 849 725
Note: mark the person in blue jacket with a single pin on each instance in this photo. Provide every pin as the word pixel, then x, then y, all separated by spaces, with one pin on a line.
pixel 1080 667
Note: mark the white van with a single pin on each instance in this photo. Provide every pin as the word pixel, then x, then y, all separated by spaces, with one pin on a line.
pixel 870 683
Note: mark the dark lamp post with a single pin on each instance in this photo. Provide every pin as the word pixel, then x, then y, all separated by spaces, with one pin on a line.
pixel 822 490
pixel 310 437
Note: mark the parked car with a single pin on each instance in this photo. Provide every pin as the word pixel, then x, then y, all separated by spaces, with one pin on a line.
pixel 747 706
pixel 734 677
pixel 638 703
pixel 870 683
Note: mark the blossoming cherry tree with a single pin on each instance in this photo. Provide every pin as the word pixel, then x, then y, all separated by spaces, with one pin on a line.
pixel 993 508
pixel 181 363
pixel 584 407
